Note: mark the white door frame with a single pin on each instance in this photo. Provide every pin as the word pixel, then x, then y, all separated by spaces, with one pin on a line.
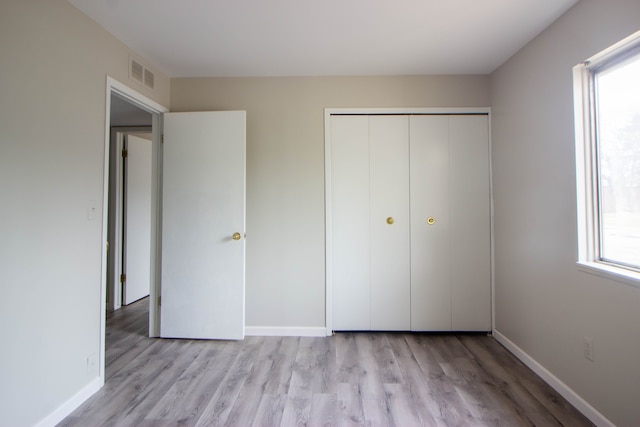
pixel 115 87
pixel 328 112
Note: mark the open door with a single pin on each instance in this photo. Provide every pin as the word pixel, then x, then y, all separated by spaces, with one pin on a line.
pixel 203 225
pixel 136 263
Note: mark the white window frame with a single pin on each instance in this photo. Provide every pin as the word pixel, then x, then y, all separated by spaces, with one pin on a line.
pixel 586 163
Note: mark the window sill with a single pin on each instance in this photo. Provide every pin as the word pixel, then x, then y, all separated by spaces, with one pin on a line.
pixel 611 272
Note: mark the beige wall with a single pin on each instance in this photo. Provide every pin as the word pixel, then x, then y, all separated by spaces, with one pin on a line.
pixel 543 303
pixel 285 172
pixel 52 125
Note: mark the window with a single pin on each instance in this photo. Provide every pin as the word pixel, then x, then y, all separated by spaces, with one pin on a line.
pixel 608 159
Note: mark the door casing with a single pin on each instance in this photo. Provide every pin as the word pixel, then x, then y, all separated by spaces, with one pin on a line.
pixel 113 86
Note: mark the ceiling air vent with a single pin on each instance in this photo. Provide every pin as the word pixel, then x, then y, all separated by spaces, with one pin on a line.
pixel 140 74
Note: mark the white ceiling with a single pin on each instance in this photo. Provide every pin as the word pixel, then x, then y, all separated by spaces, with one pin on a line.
pixel 209 38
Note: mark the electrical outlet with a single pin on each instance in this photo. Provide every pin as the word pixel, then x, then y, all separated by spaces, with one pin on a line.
pixel 92 364
pixel 588 348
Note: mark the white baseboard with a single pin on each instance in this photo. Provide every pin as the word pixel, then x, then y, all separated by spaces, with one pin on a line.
pixel 574 398
pixel 285 331
pixel 72 404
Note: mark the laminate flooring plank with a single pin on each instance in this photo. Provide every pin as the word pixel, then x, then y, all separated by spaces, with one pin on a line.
pixel 109 407
pixel 551 400
pixel 324 379
pixel 297 408
pixel 110 395
pixel 385 359
pixel 403 409
pixel 137 349
pixel 133 413
pixel 270 410
pixel 349 406
pixel 435 406
pixel 508 383
pixel 555 404
pixel 304 379
pixel 484 400
pixel 421 348
pixel 447 347
pixel 221 403
pixel 250 396
pixel 350 379
pixel 374 402
pixel 119 347
pixel 187 398
pixel 323 410
pixel 348 368
pixel 283 359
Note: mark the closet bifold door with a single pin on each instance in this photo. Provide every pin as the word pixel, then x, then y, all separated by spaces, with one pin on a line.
pixel 350 222
pixel 390 283
pixel 470 223
pixel 430 226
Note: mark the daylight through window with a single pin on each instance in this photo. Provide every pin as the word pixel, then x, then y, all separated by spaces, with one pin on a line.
pixel 608 157
pixel 617 116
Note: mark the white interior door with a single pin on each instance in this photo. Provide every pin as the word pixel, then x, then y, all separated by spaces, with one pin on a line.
pixel 137 219
pixel 203 206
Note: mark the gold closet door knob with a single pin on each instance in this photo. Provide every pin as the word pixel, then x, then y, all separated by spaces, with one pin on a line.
pixel 390 220
pixel 431 220
pixel 236 236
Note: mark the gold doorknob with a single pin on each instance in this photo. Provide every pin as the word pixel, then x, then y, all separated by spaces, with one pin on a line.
pixel 390 220
pixel 431 220
pixel 236 236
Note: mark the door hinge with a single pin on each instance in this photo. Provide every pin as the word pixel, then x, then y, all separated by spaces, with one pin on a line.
pixel 123 278
pixel 159 300
pixel 162 139
pixel 125 153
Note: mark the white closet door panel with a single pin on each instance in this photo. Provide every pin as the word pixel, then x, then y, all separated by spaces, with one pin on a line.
pixel 430 243
pixel 470 223
pixel 350 221
pixel 389 186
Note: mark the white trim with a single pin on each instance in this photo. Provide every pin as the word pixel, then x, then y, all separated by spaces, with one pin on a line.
pixel 328 112
pixel 628 43
pixel 587 203
pixel 72 404
pixel 410 110
pixel 328 299
pixel 157 129
pixel 611 272
pixel 285 331
pixel 134 97
pixel 492 228
pixel 572 397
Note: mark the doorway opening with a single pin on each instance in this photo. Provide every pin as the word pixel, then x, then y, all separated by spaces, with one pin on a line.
pixel 129 114
pixel 129 221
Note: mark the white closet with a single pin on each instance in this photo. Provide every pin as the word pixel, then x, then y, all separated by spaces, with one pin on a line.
pixel 409 222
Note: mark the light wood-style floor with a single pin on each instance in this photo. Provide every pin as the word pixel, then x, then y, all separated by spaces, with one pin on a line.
pixel 350 379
